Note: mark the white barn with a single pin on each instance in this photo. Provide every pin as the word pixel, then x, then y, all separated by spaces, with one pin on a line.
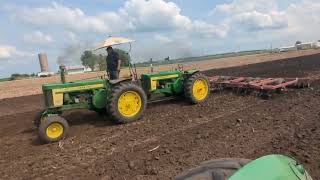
pixel 77 69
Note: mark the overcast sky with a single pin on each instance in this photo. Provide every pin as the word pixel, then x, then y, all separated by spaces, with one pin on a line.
pixel 178 28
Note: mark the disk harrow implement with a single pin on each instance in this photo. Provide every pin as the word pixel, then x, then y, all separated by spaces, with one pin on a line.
pixel 264 87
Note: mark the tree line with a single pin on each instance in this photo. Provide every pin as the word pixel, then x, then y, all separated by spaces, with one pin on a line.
pixel 98 62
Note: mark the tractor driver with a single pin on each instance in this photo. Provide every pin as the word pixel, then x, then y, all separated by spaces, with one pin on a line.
pixel 113 64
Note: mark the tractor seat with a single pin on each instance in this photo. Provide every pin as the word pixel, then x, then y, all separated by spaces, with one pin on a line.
pixel 116 81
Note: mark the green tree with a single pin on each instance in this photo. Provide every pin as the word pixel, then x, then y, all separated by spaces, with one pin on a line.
pixel 92 60
pixel 89 59
pixel 124 56
pixel 102 63
pixel 16 76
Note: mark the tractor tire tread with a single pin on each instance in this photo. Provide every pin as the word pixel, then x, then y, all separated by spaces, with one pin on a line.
pixel 112 102
pixel 220 169
pixel 189 84
pixel 46 122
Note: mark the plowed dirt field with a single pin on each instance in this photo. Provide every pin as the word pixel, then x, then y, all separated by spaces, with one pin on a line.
pixel 228 125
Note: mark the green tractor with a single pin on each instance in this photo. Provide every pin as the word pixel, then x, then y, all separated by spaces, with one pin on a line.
pixel 270 167
pixel 123 100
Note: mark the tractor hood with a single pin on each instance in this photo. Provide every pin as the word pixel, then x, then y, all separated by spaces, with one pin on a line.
pixel 54 94
pixel 77 84
pixel 272 167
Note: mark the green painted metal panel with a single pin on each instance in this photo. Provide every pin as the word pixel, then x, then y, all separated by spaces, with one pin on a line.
pixel 167 91
pixel 99 99
pixel 162 73
pixel 192 71
pixel 163 81
pixel 73 84
pixel 177 86
pixel 59 110
pixel 271 167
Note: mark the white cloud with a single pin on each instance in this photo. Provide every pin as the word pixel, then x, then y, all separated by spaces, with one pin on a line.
pixel 270 22
pixel 38 37
pixel 259 15
pixel 6 51
pixel 11 52
pixel 210 30
pixel 162 39
pixel 163 21
pixel 71 36
pixel 254 20
pixel 253 15
pixel 135 15
pixel 58 15
pixel 240 6
pixel 154 15
pixel 159 15
pixel 304 19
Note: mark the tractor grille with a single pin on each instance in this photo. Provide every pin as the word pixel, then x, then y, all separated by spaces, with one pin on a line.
pixel 48 99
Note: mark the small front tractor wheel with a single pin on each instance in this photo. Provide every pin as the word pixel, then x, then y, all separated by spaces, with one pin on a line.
pixel 53 129
pixel 126 103
pixel 197 88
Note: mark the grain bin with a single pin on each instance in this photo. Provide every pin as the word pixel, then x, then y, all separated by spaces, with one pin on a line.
pixel 43 60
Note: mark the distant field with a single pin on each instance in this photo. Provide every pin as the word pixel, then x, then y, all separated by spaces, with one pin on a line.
pixel 208 57
pixel 4 79
pixel 26 87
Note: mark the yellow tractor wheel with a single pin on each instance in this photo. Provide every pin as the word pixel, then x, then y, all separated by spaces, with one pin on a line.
pixel 53 129
pixel 197 88
pixel 127 102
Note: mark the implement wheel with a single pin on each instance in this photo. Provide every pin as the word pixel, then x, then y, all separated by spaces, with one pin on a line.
pixel 197 88
pixel 52 129
pixel 127 103
pixel 221 169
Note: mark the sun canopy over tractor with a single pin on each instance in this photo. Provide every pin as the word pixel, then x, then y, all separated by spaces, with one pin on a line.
pixel 111 41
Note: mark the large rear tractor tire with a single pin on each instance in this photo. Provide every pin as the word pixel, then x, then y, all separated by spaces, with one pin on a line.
pixel 197 88
pixel 53 129
pixel 220 169
pixel 127 103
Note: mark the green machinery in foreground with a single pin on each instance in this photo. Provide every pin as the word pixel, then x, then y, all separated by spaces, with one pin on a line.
pixel 270 167
pixel 123 100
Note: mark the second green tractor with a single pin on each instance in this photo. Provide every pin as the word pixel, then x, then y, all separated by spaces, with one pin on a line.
pixel 123 100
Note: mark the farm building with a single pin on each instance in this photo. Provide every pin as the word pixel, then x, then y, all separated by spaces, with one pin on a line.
pixel 304 46
pixel 316 44
pixel 288 48
pixel 77 69
pixel 301 46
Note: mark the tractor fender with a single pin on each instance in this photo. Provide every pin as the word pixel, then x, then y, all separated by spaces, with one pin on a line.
pixel 118 81
pixel 191 72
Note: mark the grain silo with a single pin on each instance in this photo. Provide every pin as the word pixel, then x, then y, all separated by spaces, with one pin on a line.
pixel 43 60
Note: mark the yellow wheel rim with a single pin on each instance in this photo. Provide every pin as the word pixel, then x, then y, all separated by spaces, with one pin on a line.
pixel 54 130
pixel 200 89
pixel 129 103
